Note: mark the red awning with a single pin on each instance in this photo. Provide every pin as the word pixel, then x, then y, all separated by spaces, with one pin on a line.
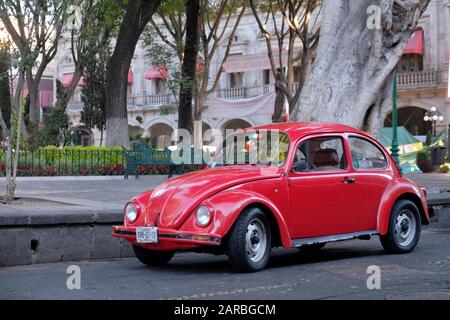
pixel 415 44
pixel 130 76
pixel 156 72
pixel 67 80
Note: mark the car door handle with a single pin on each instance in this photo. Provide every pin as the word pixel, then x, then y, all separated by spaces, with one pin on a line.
pixel 349 180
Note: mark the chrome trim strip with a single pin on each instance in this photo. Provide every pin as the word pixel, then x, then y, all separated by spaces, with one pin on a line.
pixel 332 238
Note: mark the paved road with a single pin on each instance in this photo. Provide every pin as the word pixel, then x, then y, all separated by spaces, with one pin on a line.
pixel 337 272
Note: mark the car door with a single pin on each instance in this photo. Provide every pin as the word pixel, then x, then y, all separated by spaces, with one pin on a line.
pixel 320 187
pixel 372 174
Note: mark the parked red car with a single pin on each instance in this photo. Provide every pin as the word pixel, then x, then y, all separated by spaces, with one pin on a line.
pixel 330 183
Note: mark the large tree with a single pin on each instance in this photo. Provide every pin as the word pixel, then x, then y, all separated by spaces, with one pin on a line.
pixel 290 31
pixel 188 69
pixel 10 124
pixel 360 45
pixel 35 26
pixel 137 15
pixel 218 21
pixel 90 28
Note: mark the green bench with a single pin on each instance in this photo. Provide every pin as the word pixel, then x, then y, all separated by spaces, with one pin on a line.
pixel 141 154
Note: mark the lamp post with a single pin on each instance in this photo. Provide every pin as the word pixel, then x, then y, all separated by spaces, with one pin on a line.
pixel 433 116
pixel 394 147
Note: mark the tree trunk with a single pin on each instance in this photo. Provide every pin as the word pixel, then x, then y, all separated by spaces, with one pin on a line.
pixel 33 94
pixel 355 60
pixel 10 168
pixel 188 69
pixel 137 15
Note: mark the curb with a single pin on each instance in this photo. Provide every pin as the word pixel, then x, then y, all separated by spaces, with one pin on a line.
pixel 69 236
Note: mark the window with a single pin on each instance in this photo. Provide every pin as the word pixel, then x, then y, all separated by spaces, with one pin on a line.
pixel 411 63
pixel 266 76
pixel 320 154
pixel 160 86
pixel 365 155
pixel 236 80
pixel 264 148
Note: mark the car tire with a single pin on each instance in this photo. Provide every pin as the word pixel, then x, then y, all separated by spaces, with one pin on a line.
pixel 250 241
pixel 312 248
pixel 404 228
pixel 152 257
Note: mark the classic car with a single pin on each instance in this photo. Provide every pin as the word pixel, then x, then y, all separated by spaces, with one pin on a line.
pixel 328 183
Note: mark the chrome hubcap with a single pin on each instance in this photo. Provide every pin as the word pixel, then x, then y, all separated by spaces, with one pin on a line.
pixel 256 240
pixel 405 228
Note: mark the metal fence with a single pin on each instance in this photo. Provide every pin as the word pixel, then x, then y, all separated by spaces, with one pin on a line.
pixel 60 162
pixel 81 162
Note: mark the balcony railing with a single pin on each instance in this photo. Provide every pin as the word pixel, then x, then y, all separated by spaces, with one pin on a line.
pixel 418 79
pixel 75 107
pixel 233 93
pixel 154 101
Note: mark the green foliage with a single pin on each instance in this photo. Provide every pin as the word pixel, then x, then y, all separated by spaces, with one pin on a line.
pixel 165 110
pixel 424 155
pixel 93 93
pixel 445 168
pixel 135 133
pixel 139 119
pixel 78 154
pixel 429 139
pixel 5 90
pixel 56 129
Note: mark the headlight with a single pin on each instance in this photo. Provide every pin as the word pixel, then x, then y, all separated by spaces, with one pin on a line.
pixel 203 216
pixel 131 212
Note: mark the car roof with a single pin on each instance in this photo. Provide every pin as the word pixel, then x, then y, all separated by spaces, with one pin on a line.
pixel 300 129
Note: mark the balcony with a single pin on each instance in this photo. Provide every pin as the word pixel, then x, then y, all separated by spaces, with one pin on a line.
pixel 75 107
pixel 233 93
pixel 421 79
pixel 149 100
pixel 158 100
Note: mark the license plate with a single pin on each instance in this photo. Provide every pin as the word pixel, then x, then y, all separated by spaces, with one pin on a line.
pixel 147 235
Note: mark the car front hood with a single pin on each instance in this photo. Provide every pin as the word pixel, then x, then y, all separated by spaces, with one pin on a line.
pixel 175 199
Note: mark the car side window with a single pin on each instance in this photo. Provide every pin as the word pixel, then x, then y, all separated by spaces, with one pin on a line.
pixel 366 155
pixel 319 155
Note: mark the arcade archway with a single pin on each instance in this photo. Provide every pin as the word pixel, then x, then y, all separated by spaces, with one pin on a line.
pixel 412 119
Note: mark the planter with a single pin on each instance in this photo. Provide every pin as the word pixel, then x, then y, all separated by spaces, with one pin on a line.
pixel 425 165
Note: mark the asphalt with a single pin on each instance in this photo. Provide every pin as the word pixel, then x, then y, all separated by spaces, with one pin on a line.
pixel 339 271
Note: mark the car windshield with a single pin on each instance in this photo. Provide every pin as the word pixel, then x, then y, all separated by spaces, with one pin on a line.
pixel 263 147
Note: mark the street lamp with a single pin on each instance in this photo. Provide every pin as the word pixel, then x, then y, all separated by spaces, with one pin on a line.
pixel 394 147
pixel 433 116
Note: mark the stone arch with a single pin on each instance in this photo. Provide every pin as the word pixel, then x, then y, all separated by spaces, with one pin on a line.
pixel 235 124
pixel 411 117
pixel 82 136
pixel 160 135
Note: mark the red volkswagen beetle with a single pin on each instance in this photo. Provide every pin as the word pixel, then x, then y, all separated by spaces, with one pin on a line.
pixel 328 183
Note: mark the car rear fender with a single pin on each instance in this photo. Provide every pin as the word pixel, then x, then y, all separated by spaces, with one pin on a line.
pixel 229 205
pixel 400 189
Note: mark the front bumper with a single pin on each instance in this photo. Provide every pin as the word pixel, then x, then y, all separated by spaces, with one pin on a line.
pixel 169 238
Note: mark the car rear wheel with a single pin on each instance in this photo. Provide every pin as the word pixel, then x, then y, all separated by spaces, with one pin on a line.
pixel 404 228
pixel 152 257
pixel 250 241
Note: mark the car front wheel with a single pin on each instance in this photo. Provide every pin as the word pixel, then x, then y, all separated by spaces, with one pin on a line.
pixel 250 241
pixel 152 257
pixel 404 228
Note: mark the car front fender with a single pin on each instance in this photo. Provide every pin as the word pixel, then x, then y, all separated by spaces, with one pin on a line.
pixel 400 188
pixel 228 205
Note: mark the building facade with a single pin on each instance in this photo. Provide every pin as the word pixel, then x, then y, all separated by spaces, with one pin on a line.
pixel 245 94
